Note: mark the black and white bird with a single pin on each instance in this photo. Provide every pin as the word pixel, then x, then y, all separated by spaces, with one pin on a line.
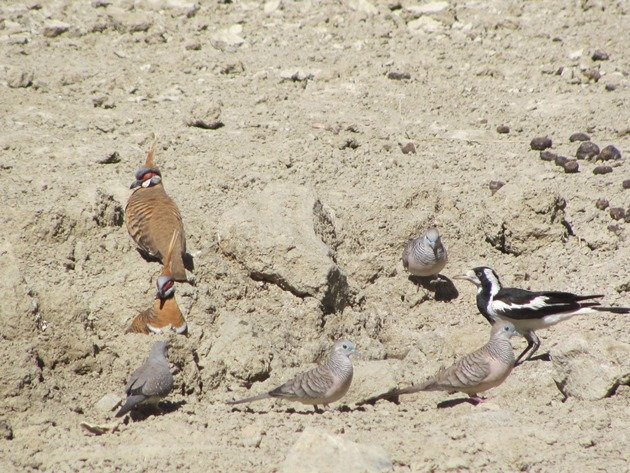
pixel 527 310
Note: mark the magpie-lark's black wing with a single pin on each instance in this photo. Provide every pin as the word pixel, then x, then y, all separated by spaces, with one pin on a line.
pixel 521 304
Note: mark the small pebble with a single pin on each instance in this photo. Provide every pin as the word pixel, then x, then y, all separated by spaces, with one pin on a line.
pixel 540 143
pixel 602 204
pixel 617 213
pixel 602 170
pixel 626 184
pixel 600 55
pixel 503 129
pixel 110 158
pixel 495 186
pixel 593 74
pixel 396 75
pixel 561 160
pixel 609 153
pixel 408 148
pixel 610 87
pixel 587 150
pixel 571 167
pixel 347 143
pixel 579 137
pixel 548 156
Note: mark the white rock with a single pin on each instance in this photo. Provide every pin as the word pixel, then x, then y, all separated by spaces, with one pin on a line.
pixel 424 24
pixel 271 6
pixel 318 451
pixel 363 6
pixel 228 39
pixel 108 403
pixel 575 55
pixel 590 368
pixel 427 8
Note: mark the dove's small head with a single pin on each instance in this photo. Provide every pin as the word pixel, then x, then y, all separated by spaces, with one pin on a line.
pixel 503 329
pixel 432 237
pixel 159 348
pixel 344 347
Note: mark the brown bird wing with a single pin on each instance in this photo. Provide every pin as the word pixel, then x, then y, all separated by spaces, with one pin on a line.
pixel 152 217
pixel 140 321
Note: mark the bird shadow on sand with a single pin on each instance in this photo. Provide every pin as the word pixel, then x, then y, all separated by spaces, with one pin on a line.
pixel 290 410
pixel 541 357
pixel 144 412
pixel 456 402
pixel 443 288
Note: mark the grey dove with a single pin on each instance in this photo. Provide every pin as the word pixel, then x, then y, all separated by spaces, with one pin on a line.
pixel 476 372
pixel 152 217
pixel 425 256
pixel 151 382
pixel 326 383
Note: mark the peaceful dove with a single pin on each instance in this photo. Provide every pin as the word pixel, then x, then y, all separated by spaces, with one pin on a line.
pixel 425 256
pixel 476 372
pixel 151 382
pixel 165 314
pixel 152 217
pixel 529 310
pixel 326 383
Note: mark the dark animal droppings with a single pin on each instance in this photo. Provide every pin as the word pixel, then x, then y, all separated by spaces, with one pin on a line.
pixel 587 150
pixel 608 153
pixel 571 167
pixel 540 143
pixel 579 137
pixel 602 204
pixel 602 170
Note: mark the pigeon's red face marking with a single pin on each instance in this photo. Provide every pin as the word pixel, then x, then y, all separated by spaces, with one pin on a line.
pixel 148 176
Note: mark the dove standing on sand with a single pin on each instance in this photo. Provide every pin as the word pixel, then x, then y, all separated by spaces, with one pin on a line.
pixel 151 382
pixel 152 217
pixel 324 384
pixel 529 310
pixel 165 313
pixel 476 372
pixel 425 256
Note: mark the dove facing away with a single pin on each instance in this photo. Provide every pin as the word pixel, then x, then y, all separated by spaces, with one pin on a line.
pixel 152 217
pixel 165 313
pixel 151 382
pixel 326 383
pixel 476 372
pixel 425 256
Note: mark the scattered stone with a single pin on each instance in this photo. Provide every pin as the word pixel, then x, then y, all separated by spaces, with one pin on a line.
pixel 600 55
pixel 579 137
pixel 232 68
pixel 6 432
pixel 610 87
pixel 111 158
pixel 316 450
pixel 587 150
pixel 561 160
pixel 592 74
pixel 363 6
pixel 617 213
pixel 394 5
pixel 602 170
pixel 609 153
pixel 495 186
pixel 272 6
pixel 408 148
pixel 55 28
pixel 103 101
pixel 286 236
pixel 193 46
pixel 228 39
pixel 589 368
pixel 129 21
pixel 428 8
pixel 575 55
pixel 626 184
pixel 205 115
pixel 571 167
pixel 395 75
pixel 548 156
pixel 108 403
pixel 296 76
pixel 540 143
pixel 503 129
pixel 602 204
pixel 251 436
pixel 424 24
pixel 17 79
pixel 348 143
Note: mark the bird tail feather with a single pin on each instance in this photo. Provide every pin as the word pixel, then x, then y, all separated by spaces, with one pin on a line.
pixel 132 401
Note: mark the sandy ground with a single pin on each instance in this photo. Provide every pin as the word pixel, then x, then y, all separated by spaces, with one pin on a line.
pixel 306 97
